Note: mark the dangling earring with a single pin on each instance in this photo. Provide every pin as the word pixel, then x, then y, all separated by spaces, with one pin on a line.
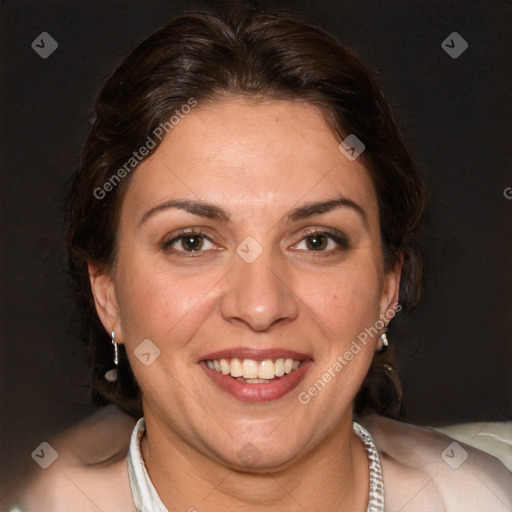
pixel 383 342
pixel 111 375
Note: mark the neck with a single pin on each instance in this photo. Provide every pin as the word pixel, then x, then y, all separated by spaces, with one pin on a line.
pixel 333 475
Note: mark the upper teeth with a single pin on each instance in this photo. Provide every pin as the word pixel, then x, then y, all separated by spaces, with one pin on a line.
pixel 251 369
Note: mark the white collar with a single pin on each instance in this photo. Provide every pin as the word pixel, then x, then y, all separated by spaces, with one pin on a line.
pixel 144 493
pixel 147 500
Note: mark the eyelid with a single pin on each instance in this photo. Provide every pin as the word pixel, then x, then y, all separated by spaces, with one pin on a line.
pixel 199 231
pixel 335 235
pixel 177 235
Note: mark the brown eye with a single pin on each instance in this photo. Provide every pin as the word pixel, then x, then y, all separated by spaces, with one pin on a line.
pixel 316 242
pixel 189 243
pixel 192 242
pixel 323 242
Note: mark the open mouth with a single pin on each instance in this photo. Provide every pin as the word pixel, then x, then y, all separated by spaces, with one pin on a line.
pixel 251 371
pixel 262 377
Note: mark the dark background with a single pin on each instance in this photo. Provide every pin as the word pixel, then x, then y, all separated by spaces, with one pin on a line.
pixel 455 351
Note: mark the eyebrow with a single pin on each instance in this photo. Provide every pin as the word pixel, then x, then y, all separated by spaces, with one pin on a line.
pixel 211 211
pixel 197 207
pixel 319 207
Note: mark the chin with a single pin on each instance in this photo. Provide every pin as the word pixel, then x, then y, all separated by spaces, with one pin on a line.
pixel 261 454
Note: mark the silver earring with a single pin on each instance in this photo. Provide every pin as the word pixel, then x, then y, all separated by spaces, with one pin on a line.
pixel 111 375
pixel 116 357
pixel 383 342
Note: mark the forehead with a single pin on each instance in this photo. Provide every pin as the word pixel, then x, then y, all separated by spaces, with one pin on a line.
pixel 261 157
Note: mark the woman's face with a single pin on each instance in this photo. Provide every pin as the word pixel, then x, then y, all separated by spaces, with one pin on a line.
pixel 248 239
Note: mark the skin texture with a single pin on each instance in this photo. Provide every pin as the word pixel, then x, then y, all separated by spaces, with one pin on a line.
pixel 257 162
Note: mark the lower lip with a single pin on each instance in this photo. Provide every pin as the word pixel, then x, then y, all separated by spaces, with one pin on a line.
pixel 263 392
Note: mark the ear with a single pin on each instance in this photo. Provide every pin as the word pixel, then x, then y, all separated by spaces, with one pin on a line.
pixel 103 290
pixel 391 291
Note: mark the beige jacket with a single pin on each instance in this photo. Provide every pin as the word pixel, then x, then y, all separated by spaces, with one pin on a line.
pixel 423 470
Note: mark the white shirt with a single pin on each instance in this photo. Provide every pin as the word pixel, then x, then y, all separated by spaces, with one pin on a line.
pixel 144 493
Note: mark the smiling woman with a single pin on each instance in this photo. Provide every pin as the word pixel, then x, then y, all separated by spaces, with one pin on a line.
pixel 252 258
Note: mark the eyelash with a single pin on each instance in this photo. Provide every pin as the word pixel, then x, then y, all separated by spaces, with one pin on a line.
pixel 181 235
pixel 337 237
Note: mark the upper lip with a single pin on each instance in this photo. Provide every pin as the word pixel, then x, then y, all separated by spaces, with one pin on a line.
pixel 256 354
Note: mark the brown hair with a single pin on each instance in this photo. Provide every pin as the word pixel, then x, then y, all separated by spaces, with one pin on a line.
pixel 260 54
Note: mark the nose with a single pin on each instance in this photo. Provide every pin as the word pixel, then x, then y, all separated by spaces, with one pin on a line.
pixel 257 294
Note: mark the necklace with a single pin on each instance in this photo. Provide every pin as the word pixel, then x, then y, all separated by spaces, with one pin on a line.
pixel 376 497
pixel 147 500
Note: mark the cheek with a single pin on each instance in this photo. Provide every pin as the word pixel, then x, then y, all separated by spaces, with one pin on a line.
pixel 158 304
pixel 153 301
pixel 345 304
pixel 346 300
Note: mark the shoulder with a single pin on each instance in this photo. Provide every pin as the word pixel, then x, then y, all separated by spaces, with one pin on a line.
pixel 90 471
pixel 426 470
